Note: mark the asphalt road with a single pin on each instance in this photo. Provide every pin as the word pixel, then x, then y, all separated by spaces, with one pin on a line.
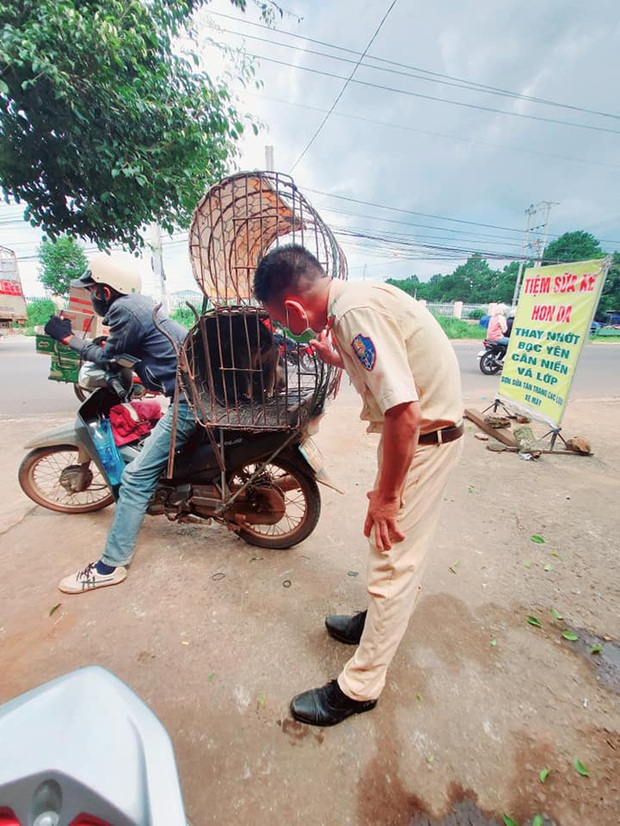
pixel 27 391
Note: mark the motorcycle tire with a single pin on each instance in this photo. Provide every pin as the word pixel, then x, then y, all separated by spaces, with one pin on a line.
pixel 488 365
pixel 40 479
pixel 302 506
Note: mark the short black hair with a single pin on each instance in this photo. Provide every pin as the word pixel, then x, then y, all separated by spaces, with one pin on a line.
pixel 282 270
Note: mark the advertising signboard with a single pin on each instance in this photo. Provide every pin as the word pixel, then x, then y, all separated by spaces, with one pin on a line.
pixel 553 319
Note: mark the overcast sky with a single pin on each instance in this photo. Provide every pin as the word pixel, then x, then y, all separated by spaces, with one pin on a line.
pixel 409 138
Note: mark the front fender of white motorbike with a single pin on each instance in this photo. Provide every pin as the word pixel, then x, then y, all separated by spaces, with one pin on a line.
pixel 64 434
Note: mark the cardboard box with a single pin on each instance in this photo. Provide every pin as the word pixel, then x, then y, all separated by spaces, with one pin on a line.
pixel 79 301
pixel 88 323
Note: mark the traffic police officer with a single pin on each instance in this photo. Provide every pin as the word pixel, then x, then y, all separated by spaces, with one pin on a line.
pixel 405 369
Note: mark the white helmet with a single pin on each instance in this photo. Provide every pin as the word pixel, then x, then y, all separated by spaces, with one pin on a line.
pixel 117 270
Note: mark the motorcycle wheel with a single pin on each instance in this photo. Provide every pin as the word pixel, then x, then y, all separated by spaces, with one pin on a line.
pixel 302 505
pixel 488 365
pixel 40 475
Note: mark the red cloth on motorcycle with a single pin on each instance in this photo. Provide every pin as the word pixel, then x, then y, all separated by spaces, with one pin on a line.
pixel 134 420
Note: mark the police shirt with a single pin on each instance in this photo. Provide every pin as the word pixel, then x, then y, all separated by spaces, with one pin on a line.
pixel 395 352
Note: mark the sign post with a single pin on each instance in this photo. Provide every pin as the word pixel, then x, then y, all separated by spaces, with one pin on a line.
pixel 552 323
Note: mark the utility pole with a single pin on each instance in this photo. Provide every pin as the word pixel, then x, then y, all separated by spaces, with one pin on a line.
pixel 547 205
pixel 528 244
pixel 530 212
pixel 269 159
pixel 157 265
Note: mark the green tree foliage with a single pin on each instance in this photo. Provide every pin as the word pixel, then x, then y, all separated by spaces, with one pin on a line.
pixel 39 311
pixel 609 301
pixel 104 127
pixel 474 282
pixel 572 246
pixel 61 262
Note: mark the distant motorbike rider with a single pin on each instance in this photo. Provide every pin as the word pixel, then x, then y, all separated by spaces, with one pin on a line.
pixel 498 326
pixel 114 284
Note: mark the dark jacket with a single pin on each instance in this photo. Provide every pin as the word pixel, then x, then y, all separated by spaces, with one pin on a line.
pixel 132 331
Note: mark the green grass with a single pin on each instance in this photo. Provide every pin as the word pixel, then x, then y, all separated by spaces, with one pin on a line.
pixel 456 328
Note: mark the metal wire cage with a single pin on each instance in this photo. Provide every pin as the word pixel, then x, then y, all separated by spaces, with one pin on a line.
pixel 240 369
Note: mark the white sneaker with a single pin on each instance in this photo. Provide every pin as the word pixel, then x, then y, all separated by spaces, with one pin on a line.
pixel 90 578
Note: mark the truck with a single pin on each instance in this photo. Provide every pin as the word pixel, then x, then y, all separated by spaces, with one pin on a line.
pixel 12 301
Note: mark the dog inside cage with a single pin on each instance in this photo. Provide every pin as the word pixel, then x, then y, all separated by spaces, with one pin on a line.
pixel 236 356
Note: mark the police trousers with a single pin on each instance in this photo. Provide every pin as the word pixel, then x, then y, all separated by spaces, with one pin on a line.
pixel 394 576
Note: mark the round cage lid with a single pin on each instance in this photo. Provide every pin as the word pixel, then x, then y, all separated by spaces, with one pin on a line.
pixel 240 219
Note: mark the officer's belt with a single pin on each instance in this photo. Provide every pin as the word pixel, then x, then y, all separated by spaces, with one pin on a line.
pixel 439 437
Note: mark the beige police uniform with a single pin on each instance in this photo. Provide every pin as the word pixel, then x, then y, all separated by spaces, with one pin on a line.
pixel 395 352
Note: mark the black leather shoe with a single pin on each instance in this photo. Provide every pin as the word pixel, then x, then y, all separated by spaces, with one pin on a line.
pixel 327 706
pixel 346 629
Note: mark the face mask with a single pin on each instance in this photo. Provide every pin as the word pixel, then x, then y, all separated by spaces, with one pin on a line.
pixel 100 304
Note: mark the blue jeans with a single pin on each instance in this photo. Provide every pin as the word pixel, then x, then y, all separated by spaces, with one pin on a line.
pixel 138 484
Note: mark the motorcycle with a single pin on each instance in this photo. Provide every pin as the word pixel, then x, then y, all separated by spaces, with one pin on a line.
pixel 491 359
pixel 261 485
pixel 123 772
pixel 295 353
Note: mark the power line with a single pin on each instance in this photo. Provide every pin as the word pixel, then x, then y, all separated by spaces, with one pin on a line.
pixel 436 77
pixel 412 212
pixel 348 80
pixel 383 88
pixel 438 134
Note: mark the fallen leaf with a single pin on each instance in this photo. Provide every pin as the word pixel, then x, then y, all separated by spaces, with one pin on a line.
pixel 544 775
pixel 534 621
pixel 556 614
pixel 55 608
pixel 570 635
pixel 419 697
pixel 262 699
pixel 581 768
pixel 548 567
pixel 596 649
pixel 537 820
pixel 555 553
pixel 470 489
pixel 538 539
pixel 528 565
pixel 211 677
pixel 508 821
pixel 493 642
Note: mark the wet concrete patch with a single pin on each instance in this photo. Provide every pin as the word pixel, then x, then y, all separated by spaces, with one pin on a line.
pixel 464 811
pixel 601 654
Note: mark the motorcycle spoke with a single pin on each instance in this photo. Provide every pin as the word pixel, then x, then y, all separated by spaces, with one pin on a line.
pixel 46 475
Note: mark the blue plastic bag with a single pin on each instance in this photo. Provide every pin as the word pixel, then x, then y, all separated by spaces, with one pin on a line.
pixel 101 433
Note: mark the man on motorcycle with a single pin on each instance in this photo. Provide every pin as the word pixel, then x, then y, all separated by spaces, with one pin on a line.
pixel 405 369
pixel 114 284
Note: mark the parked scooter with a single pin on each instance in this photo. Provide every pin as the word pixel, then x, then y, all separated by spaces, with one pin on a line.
pixel 261 485
pixel 491 359
pixel 67 765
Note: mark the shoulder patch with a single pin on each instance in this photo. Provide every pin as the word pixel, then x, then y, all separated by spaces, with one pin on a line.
pixel 364 349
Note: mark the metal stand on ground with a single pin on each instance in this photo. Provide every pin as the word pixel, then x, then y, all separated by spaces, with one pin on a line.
pixel 554 432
